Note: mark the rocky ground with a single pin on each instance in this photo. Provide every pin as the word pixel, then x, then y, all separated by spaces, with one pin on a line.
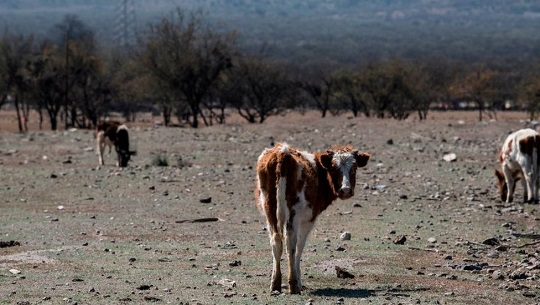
pixel 180 226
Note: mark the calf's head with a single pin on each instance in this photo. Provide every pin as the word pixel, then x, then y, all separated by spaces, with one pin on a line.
pixel 341 163
pixel 502 186
pixel 124 156
pixel 121 144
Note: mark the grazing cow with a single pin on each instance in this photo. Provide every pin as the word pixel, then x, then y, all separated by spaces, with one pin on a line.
pixel 293 188
pixel 519 157
pixel 112 133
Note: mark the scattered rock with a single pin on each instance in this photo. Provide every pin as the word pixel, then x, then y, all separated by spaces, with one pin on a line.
pixel 205 200
pixel 151 298
pixel 518 274
pixel 227 283
pixel 144 287
pixel 497 275
pixel 491 242
pixel 450 157
pixel 400 240
pixel 343 274
pixel 11 243
pixel 345 236
pixel 235 263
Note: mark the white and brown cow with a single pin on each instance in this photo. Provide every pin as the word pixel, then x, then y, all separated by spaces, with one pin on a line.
pixel 112 133
pixel 519 157
pixel 293 188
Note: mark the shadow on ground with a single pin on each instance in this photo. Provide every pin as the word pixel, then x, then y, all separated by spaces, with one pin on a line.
pixel 345 292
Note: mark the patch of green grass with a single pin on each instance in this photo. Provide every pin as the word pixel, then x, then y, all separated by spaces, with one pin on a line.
pixel 160 160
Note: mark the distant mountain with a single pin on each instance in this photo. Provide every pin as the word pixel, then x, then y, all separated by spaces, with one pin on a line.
pixel 347 31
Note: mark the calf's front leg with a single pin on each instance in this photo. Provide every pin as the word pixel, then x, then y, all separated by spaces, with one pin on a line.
pixel 510 183
pixel 302 231
pixel 100 143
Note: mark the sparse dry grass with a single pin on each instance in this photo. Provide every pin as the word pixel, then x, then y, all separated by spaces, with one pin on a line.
pixel 93 235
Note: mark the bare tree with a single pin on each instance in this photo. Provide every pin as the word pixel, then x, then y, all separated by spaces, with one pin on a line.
pixel 46 79
pixel 428 81
pixel 187 58
pixel 477 85
pixel 349 90
pixel 257 88
pixel 78 47
pixel 385 90
pixel 15 52
pixel 530 92
pixel 321 86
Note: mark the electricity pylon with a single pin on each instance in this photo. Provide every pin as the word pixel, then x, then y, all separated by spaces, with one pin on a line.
pixel 125 26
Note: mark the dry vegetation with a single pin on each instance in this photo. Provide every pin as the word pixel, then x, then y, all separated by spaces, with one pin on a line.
pixel 423 230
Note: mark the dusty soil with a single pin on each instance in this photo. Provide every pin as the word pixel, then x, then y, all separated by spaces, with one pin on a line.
pixel 424 231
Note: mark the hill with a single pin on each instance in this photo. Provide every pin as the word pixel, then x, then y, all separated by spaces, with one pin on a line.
pixel 344 31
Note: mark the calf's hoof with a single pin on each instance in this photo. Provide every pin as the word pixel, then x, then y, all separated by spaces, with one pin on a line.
pixel 275 287
pixel 294 288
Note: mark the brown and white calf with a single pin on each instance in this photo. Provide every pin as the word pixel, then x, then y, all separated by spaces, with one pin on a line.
pixel 112 133
pixel 293 188
pixel 519 157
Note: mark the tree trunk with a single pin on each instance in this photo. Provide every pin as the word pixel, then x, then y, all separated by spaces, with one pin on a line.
pixel 18 110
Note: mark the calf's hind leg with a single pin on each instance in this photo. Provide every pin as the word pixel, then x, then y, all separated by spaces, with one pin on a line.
pixel 277 250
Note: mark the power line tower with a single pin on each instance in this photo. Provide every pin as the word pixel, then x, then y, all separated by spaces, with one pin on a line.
pixel 125 26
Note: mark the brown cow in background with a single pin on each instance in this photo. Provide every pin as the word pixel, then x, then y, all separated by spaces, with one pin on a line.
pixel 112 133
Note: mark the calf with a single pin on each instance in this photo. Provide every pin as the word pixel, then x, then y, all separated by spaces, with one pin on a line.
pixel 519 157
pixel 293 188
pixel 112 133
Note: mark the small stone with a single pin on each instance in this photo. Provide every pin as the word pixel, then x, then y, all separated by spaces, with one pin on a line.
pixel 343 274
pixel 205 200
pixel 400 240
pixel 497 275
pixel 450 157
pixel 345 236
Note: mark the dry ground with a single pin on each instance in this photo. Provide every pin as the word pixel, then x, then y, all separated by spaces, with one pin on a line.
pixel 75 233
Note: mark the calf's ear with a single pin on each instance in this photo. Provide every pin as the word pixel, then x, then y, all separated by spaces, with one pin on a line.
pixel 362 158
pixel 133 153
pixel 326 159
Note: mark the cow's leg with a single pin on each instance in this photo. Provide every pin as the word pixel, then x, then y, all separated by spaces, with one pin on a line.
pixel 534 181
pixel 100 140
pixel 533 196
pixel 277 249
pixel 510 183
pixel 291 240
pixel 528 182
pixel 525 188
pixel 302 234
pixel 118 158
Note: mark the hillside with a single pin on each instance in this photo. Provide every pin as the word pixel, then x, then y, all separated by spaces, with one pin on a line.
pixel 341 30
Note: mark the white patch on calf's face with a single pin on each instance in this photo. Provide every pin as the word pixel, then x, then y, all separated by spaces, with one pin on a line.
pixel 344 161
